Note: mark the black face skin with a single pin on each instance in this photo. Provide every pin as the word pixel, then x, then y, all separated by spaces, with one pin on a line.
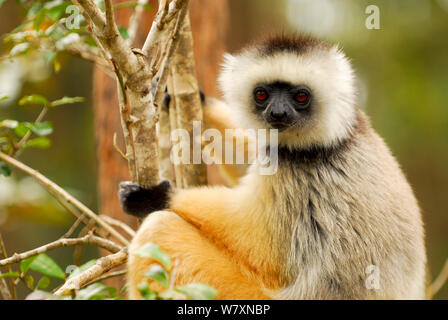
pixel 281 104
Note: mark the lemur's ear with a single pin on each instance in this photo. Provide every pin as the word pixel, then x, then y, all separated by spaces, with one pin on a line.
pixel 139 201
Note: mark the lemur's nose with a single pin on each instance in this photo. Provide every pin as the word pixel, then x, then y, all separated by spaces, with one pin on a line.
pixel 278 115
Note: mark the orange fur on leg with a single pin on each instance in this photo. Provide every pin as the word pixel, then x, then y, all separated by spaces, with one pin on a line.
pixel 199 259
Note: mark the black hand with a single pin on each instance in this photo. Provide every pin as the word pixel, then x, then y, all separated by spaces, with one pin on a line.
pixel 139 201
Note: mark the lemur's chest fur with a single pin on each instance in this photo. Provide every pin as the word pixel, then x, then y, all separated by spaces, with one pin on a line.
pixel 341 210
pixel 325 217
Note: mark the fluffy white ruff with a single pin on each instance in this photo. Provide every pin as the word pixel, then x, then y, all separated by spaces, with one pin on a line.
pixel 327 72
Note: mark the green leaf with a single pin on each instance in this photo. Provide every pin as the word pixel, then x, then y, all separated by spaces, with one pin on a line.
pixel 42 128
pixel 153 251
pixel 19 49
pixel 43 283
pixel 111 291
pixel 81 268
pixel 9 275
pixel 3 97
pixel 29 280
pixel 7 123
pixel 40 143
pixel 40 17
pixel 45 265
pixel 146 292
pixel 66 100
pixel 33 99
pixel 157 273
pixel 124 32
pixel 96 291
pixel 56 9
pixel 25 264
pixel 34 10
pixel 172 295
pixel 1 2
pixel 44 295
pixel 198 291
pixel 22 129
pixel 5 170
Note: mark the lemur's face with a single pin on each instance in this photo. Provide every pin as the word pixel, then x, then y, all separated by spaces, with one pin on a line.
pixel 281 104
pixel 300 86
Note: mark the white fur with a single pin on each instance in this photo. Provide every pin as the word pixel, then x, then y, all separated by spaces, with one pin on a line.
pixel 327 72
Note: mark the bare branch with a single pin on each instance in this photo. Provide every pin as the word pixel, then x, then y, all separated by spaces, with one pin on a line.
pixel 111 26
pixel 188 103
pixel 88 239
pixel 73 227
pixel 28 134
pixel 174 8
pixel 118 148
pixel 4 290
pixel 165 164
pixel 173 126
pixel 117 223
pixel 172 46
pixel 5 255
pixel 62 196
pixel 157 32
pixel 85 52
pixel 107 276
pixel 135 79
pixel 100 267
pixel 107 32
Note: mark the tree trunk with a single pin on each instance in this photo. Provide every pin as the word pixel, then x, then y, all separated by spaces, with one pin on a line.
pixel 209 24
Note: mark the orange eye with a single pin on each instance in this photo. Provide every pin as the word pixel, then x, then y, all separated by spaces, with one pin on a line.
pixel 301 97
pixel 261 95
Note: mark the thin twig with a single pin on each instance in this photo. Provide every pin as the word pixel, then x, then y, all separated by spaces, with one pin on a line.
pixel 73 227
pixel 117 148
pixel 100 267
pixel 98 60
pixel 172 46
pixel 438 283
pixel 120 224
pixel 175 7
pixel 163 17
pixel 62 196
pixel 77 253
pixel 111 26
pixel 4 290
pixel 107 276
pixel 25 138
pixel 3 286
pixel 88 239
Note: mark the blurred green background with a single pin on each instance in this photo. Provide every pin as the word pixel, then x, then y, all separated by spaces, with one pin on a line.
pixel 403 85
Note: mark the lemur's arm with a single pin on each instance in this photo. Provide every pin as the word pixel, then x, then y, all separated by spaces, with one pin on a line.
pixel 218 115
pixel 139 201
pixel 200 205
pixel 232 219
